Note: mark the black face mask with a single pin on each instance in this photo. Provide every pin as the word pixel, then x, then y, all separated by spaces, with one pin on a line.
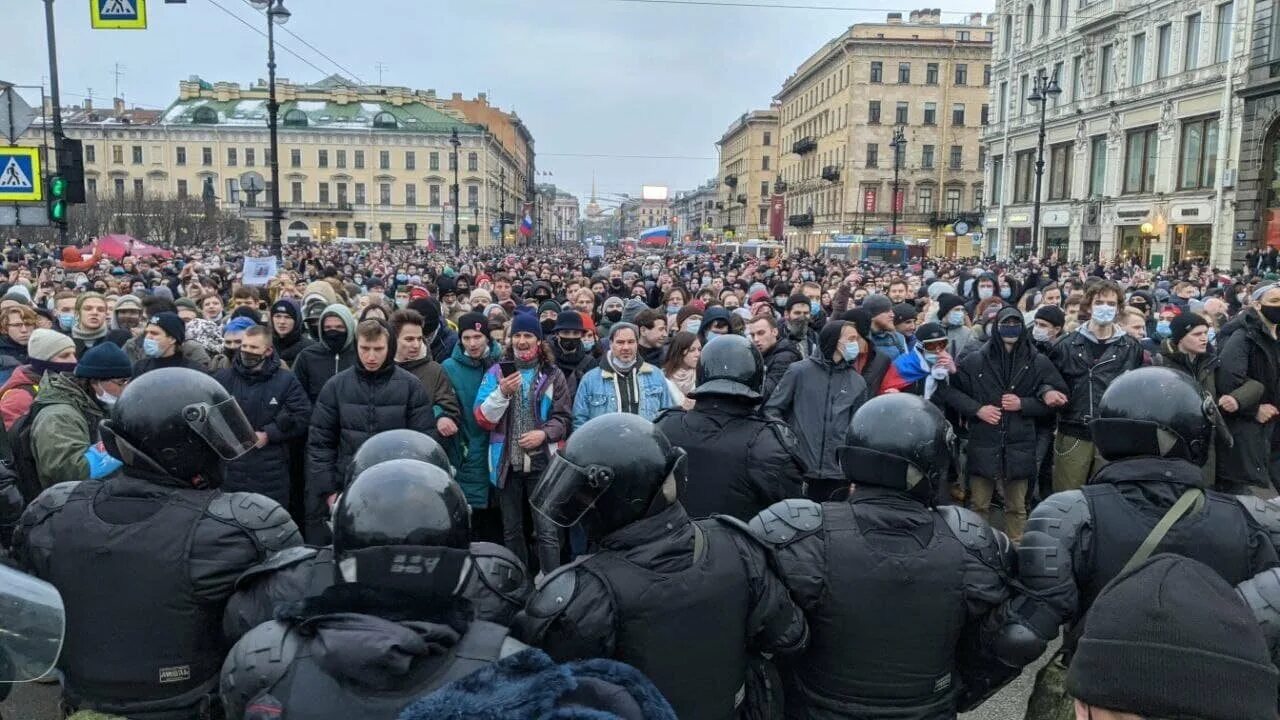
pixel 229 352
pixel 548 326
pixel 335 340
pixel 614 315
pixel 251 360
pixel 1271 313
pixel 569 345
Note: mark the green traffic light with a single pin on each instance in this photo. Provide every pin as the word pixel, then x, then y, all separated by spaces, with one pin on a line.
pixel 58 211
pixel 58 186
pixel 58 199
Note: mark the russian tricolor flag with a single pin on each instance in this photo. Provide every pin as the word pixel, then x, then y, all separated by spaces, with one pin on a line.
pixel 526 223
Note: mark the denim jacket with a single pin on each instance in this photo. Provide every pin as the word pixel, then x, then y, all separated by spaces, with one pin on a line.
pixel 598 393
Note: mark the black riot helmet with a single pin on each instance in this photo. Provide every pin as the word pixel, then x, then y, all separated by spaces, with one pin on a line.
pixel 180 423
pixel 402 518
pixel 1154 412
pixel 730 365
pixel 611 473
pixel 898 441
pixel 400 444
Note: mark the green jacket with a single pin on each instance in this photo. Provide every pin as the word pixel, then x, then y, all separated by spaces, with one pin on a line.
pixel 470 451
pixel 63 430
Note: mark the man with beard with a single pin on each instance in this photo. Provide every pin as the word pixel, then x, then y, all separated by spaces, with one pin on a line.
pixel 798 330
pixel 286 331
pixel 622 383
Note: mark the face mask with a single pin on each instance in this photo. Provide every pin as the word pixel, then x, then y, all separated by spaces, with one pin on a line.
pixel 780 300
pixel 251 360
pixel 984 293
pixel 151 347
pixel 613 315
pixel 931 358
pixel 548 326
pixel 1271 313
pixel 401 277
pixel 850 351
pixel 588 344
pixel 1163 328
pixel 693 326
pixel 1213 334
pixel 814 308
pixel 1009 332
pixel 1104 314
pixel 335 340
pixel 106 398
pixel 1242 297
pixel 955 318
pixel 569 345
pixel 1040 334
pixel 66 320
pixel 623 365
pixel 673 309
pixel 1004 293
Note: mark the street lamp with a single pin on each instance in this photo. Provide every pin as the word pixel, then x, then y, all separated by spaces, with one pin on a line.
pixel 455 142
pixel 899 142
pixel 1045 87
pixel 277 14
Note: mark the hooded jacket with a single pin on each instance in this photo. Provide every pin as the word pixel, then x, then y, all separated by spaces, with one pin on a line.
pixel 469 452
pixel 64 428
pixel 776 361
pixel 1249 371
pixel 17 394
pixel 317 363
pixel 275 403
pixel 289 346
pixel 352 407
pixel 11 356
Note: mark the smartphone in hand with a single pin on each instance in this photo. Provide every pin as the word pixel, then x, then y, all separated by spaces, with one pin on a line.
pixel 508 367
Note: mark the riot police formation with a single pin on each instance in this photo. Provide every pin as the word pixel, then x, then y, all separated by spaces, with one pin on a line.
pixel 145 559
pixel 391 627
pixel 494 582
pixel 739 461
pixel 1154 428
pixel 686 602
pixel 885 569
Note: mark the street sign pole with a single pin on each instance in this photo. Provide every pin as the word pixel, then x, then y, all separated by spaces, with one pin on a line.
pixel 55 99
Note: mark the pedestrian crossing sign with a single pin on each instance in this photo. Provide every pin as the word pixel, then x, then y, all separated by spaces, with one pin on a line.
pixel 20 179
pixel 118 14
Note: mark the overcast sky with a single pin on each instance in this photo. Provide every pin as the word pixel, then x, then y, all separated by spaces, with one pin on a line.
pixel 605 78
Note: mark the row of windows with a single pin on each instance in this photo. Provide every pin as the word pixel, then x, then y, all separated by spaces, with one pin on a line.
pixel 1224 18
pixel 1197 163
pixel 873 199
pixel 249 156
pixel 960 76
pixel 902 113
pixel 929 158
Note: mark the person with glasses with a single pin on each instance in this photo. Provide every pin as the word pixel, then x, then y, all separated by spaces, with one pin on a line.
pixel 16 324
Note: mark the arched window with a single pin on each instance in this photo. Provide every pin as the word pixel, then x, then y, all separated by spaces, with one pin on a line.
pixel 205 116
pixel 1045 12
pixel 384 120
pixel 1029 26
pixel 295 118
pixel 1007 36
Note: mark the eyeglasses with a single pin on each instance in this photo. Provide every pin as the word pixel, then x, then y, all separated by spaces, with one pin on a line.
pixel 19 325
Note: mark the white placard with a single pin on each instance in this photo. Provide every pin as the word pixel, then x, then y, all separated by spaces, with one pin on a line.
pixel 259 271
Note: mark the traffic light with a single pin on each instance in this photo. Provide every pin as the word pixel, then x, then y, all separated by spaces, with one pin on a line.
pixel 58 199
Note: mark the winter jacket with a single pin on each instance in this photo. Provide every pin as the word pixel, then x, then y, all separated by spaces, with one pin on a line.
pixel 570 364
pixel 1249 371
pixel 315 364
pixel 470 450
pixel 597 394
pixel 816 398
pixel 873 369
pixel 1088 366
pixel 289 346
pixel 353 406
pixel 442 344
pixel 64 428
pixel 17 394
pixel 1203 370
pixel 1006 450
pixel 11 356
pixel 191 350
pixel 275 403
pixel 553 414
pixel 444 401
pixel 889 343
pixel 776 361
pixel 178 360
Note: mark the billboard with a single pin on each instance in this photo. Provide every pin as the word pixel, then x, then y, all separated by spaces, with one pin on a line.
pixel 654 192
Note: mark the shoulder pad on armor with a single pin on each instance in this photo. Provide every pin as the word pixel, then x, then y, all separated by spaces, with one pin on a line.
pixel 285 558
pixel 555 594
pixel 502 571
pixel 976 535
pixel 669 412
pixel 1266 513
pixel 785 521
pixel 1061 515
pixel 1262 594
pixel 257 662
pixel 48 502
pixel 259 515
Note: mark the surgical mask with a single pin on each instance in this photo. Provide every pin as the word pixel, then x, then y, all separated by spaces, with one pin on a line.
pixel 931 358
pixel 1005 292
pixel 984 293
pixel 401 277
pixel 66 320
pixel 1104 314
pixel 673 309
pixel 815 307
pixel 1163 328
pixel 850 351
pixel 106 398
pixel 1213 334
pixel 588 344
pixel 780 300
pixel 1040 334
pixel 955 318
pixel 692 326
pixel 1242 297
pixel 621 364
pixel 251 360
pixel 151 347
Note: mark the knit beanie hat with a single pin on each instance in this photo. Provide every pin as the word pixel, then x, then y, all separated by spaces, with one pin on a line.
pixel 685 313
pixel 171 324
pixel 429 309
pixel 18 294
pixel 549 306
pixel 128 302
pixel 45 344
pixel 1168 639
pixel 473 321
pixel 877 305
pixel 948 302
pixel 1183 324
pixel 1052 314
pixel 104 361
pixel 861 319
pixel 796 299
pixel 526 322
pixel 632 308
pixel 187 303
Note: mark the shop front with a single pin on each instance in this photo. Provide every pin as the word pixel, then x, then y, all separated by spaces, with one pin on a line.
pixel 1017 235
pixel 1192 236
pixel 1055 232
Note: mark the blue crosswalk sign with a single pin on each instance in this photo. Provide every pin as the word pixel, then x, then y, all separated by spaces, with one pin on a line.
pixel 119 14
pixel 20 179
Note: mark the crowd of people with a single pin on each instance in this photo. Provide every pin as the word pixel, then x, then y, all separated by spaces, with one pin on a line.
pixel 796 485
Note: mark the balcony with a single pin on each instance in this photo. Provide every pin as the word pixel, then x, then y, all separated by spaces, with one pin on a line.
pixel 831 173
pixel 804 145
pixel 731 180
pixel 319 208
pixel 802 220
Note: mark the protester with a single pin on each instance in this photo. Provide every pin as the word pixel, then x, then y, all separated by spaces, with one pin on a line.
pixel 1249 378
pixel 624 383
pixel 413 355
pixel 49 352
pixel 287 331
pixel 16 324
pixel 472 357
pixel 65 416
pixel 315 364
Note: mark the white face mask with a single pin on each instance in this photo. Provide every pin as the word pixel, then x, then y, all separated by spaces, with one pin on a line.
pixel 1040 334
pixel 106 398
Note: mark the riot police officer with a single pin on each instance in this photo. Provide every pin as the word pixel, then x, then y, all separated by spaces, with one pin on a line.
pixel 146 558
pixel 741 462
pixel 496 582
pixel 1155 428
pixel 391 628
pixel 884 569
pixel 684 602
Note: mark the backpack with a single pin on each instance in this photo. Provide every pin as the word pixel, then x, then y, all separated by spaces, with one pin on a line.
pixel 23 462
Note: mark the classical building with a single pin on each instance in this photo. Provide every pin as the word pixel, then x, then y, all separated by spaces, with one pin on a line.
pixel 694 213
pixel 556 221
pixel 645 214
pixel 1258 193
pixel 355 161
pixel 1141 144
pixel 838 114
pixel 748 165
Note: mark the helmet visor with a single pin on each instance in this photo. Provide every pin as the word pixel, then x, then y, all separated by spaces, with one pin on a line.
pixel 223 426
pixel 567 491
pixel 32 620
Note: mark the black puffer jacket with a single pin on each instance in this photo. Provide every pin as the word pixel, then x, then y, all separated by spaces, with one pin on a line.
pixel 739 461
pixel 290 345
pixel 316 363
pixel 1249 371
pixel 355 405
pixel 1088 366
pixel 776 361
pixel 1006 450
pixel 274 402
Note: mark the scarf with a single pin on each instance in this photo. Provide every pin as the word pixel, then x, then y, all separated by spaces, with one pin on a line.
pixel 88 337
pixel 628 388
pixel 686 379
pixel 524 416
